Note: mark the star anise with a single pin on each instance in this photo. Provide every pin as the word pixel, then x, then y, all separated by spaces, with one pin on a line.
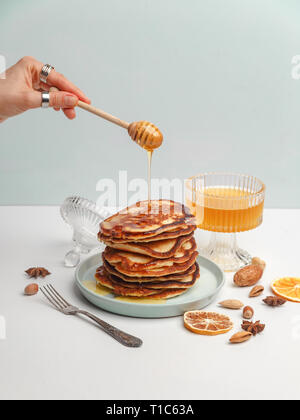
pixel 253 327
pixel 37 272
pixel 274 301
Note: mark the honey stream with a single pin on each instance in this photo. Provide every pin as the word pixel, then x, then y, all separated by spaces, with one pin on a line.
pixel 150 154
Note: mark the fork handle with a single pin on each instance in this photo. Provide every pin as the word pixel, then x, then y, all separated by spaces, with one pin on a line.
pixel 123 338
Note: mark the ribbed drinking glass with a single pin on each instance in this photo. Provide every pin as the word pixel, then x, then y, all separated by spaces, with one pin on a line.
pixel 226 203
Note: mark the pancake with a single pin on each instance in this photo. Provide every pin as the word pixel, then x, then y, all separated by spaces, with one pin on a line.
pixel 147 219
pixel 172 234
pixel 165 248
pixel 171 277
pixel 155 272
pixel 186 282
pixel 138 262
pixel 103 279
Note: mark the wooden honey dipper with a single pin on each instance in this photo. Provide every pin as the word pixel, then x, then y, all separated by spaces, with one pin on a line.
pixel 144 133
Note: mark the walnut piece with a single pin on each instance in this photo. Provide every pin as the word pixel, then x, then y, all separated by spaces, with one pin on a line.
pixel 37 272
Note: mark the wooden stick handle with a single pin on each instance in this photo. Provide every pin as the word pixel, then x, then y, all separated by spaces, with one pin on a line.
pixel 99 112
pixel 103 114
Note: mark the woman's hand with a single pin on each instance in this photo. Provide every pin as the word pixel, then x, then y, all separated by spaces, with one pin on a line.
pixel 21 90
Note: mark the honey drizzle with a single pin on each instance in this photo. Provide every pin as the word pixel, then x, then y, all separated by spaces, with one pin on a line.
pixel 150 154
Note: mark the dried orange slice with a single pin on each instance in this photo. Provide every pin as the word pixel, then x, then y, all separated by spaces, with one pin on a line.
pixel 207 323
pixel 288 288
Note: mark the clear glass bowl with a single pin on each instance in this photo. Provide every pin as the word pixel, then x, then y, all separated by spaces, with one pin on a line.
pixel 226 203
pixel 84 217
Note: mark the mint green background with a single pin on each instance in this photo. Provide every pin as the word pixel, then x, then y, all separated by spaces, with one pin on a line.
pixel 215 75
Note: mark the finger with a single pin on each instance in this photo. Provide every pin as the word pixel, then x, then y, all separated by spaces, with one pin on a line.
pixel 58 80
pixel 70 113
pixel 44 87
pixel 47 88
pixel 59 99
pixel 54 79
pixel 53 89
pixel 62 100
pixel 33 66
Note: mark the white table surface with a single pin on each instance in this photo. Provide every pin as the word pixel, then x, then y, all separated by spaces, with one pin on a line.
pixel 47 355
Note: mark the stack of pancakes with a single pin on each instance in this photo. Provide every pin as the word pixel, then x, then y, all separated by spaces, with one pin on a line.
pixel 150 252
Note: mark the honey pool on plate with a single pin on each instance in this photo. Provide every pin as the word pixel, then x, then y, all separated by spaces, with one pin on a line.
pixel 103 291
pixel 94 287
pixel 225 209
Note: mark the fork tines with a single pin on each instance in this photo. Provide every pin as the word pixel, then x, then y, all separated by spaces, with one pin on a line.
pixel 54 297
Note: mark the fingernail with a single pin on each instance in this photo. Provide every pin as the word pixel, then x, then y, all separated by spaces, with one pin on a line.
pixel 70 101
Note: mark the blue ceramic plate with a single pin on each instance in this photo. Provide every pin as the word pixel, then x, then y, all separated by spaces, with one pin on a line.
pixel 202 294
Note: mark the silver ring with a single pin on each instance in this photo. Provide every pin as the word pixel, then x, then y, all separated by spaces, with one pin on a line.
pixel 45 99
pixel 46 70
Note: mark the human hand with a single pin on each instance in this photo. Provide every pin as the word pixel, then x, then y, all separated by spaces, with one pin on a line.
pixel 21 90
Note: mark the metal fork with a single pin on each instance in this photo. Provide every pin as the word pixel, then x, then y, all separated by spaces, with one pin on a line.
pixel 66 308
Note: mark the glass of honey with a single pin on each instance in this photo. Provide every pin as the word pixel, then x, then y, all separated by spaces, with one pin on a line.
pixel 225 204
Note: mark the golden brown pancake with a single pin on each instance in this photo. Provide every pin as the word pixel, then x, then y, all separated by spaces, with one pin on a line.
pixel 138 262
pixel 154 272
pixel 147 219
pixel 103 279
pixel 171 277
pixel 186 282
pixel 165 248
pixel 172 234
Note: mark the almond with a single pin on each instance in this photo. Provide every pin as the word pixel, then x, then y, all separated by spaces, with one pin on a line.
pixel 248 312
pixel 232 304
pixel 256 291
pixel 248 276
pixel 258 261
pixel 31 289
pixel 240 337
